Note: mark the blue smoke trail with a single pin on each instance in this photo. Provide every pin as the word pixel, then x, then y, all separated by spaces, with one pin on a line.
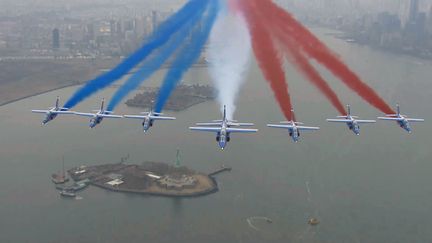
pixel 188 55
pixel 157 39
pixel 157 61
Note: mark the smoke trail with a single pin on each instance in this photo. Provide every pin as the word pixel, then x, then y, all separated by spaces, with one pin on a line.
pixel 155 62
pixel 188 55
pixel 311 73
pixel 229 53
pixel 317 50
pixel 157 39
pixel 268 57
pixel 298 59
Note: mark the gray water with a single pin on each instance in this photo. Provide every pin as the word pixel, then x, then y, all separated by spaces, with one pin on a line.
pixel 372 188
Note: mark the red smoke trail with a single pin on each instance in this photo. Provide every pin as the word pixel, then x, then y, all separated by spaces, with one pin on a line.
pixel 303 64
pixel 268 57
pixel 311 73
pixel 314 48
pixel 308 70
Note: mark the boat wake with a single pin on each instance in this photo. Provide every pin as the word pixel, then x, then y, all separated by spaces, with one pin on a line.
pixel 308 191
pixel 252 219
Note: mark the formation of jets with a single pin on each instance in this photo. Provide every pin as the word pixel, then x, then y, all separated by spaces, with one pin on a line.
pixel 99 115
pixel 225 127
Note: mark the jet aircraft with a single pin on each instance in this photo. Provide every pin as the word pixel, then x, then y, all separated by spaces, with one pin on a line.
pixel 148 118
pixel 223 129
pixel 52 112
pixel 96 118
pixel 293 128
pixel 402 120
pixel 352 121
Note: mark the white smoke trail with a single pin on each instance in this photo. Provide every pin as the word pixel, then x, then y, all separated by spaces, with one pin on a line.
pixel 229 54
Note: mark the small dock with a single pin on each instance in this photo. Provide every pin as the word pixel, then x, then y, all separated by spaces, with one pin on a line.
pixel 222 169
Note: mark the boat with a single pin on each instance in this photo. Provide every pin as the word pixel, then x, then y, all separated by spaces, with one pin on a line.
pixel 60 178
pixel 65 193
pixel 313 221
pixel 77 186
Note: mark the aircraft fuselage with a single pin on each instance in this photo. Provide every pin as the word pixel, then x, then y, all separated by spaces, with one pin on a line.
pixel 404 124
pixel 49 117
pixel 95 121
pixel 223 137
pixel 294 133
pixel 353 126
pixel 147 124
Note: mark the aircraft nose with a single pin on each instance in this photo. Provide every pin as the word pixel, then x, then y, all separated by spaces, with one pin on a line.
pixel 222 145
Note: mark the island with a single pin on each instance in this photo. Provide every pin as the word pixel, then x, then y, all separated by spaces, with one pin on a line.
pixel 183 97
pixel 150 178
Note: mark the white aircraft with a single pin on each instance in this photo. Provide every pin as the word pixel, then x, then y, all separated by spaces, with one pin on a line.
pixel 351 121
pixel 52 113
pixel 149 118
pixel 293 128
pixel 96 118
pixel 223 129
pixel 402 120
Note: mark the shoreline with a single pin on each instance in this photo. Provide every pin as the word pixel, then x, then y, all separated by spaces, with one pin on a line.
pixel 135 179
pixel 57 88
pixel 156 194
pixel 36 94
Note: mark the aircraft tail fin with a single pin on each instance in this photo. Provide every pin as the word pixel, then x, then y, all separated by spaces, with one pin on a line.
pixel 224 113
pixel 102 104
pixel 57 103
pixel 398 109
pixel 293 115
pixel 349 110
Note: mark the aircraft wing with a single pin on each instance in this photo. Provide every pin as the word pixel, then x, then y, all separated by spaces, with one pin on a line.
pixel 209 124
pixel 302 128
pixel 339 120
pixel 391 118
pixel 237 124
pixel 241 130
pixel 415 120
pixel 280 126
pixel 110 116
pixel 85 114
pixel 134 117
pixel 205 129
pixel 165 118
pixel 40 111
pixel 63 112
pixel 365 121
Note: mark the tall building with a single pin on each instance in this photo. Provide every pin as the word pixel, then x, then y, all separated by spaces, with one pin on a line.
pixel 155 19
pixel 56 39
pixel 408 11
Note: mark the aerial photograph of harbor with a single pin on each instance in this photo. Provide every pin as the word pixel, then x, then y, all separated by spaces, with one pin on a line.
pixel 258 121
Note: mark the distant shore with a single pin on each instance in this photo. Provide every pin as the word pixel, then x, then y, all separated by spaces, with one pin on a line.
pixel 37 93
pixel 24 79
pixel 37 82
